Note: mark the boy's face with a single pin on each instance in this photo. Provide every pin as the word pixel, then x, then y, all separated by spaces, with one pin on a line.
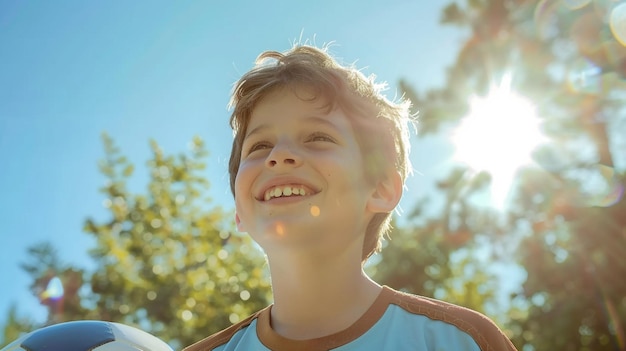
pixel 301 181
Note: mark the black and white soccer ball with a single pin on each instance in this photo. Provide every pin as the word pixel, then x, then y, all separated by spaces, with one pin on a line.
pixel 88 336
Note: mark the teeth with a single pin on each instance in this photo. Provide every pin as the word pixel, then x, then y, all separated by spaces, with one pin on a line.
pixel 284 191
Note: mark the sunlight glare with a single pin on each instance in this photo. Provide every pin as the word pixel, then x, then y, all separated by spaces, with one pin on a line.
pixel 498 136
pixel 54 290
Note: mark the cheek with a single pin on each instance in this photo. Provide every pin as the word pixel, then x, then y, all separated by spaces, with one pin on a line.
pixel 244 180
pixel 241 193
pixel 240 190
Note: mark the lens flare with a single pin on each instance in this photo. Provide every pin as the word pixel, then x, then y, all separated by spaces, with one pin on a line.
pixel 607 189
pixel 614 320
pixel 280 229
pixel 583 76
pixel 315 211
pixel 54 290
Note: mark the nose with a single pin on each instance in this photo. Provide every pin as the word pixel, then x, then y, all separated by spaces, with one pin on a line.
pixel 283 155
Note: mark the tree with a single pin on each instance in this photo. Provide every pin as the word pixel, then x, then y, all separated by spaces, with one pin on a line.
pixel 14 326
pixel 566 222
pixel 573 255
pixel 438 256
pixel 55 285
pixel 167 260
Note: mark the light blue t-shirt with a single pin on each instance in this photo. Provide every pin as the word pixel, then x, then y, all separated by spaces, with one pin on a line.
pixel 396 321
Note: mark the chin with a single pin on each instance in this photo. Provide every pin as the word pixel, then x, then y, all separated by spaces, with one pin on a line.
pixel 286 232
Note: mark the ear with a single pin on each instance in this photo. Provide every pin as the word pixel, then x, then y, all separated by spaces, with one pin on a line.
pixel 240 226
pixel 386 195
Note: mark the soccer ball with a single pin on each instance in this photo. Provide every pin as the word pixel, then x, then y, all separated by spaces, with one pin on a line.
pixel 88 336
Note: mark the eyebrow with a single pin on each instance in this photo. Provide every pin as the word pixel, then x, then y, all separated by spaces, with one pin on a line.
pixel 308 120
pixel 257 130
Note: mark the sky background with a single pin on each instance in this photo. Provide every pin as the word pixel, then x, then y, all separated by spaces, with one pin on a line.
pixel 163 70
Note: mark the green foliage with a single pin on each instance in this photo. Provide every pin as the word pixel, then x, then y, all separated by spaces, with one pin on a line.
pixel 568 216
pixel 167 260
pixel 439 257
pixel 574 256
pixel 44 266
pixel 15 326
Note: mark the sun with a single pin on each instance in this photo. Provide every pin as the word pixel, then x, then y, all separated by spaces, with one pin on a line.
pixel 498 136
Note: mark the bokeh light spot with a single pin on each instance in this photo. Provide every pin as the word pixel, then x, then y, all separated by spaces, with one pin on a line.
pixel 280 230
pixel 191 302
pixel 244 295
pixel 186 315
pixel 180 198
pixel 315 211
pixel 124 309
pixel 576 4
pixel 151 295
pixel 156 223
pixel 545 15
pixel 222 254
pixel 617 22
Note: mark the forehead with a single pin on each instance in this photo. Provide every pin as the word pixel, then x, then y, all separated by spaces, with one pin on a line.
pixel 295 94
pixel 299 105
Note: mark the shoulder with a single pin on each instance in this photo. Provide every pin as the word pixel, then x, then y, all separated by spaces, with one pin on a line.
pixel 222 337
pixel 482 329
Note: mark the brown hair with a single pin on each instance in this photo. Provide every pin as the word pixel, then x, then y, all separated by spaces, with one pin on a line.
pixel 380 125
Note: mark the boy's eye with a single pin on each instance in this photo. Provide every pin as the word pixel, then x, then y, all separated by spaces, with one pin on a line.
pixel 259 146
pixel 320 137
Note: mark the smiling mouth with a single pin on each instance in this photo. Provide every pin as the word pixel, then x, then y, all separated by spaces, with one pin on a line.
pixel 286 191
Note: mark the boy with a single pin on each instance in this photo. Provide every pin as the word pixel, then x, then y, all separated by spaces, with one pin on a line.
pixel 317 166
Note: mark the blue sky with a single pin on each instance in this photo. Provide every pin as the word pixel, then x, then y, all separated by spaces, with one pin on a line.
pixel 70 70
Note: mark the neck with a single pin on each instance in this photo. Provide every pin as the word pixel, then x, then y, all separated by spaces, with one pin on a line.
pixel 315 296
